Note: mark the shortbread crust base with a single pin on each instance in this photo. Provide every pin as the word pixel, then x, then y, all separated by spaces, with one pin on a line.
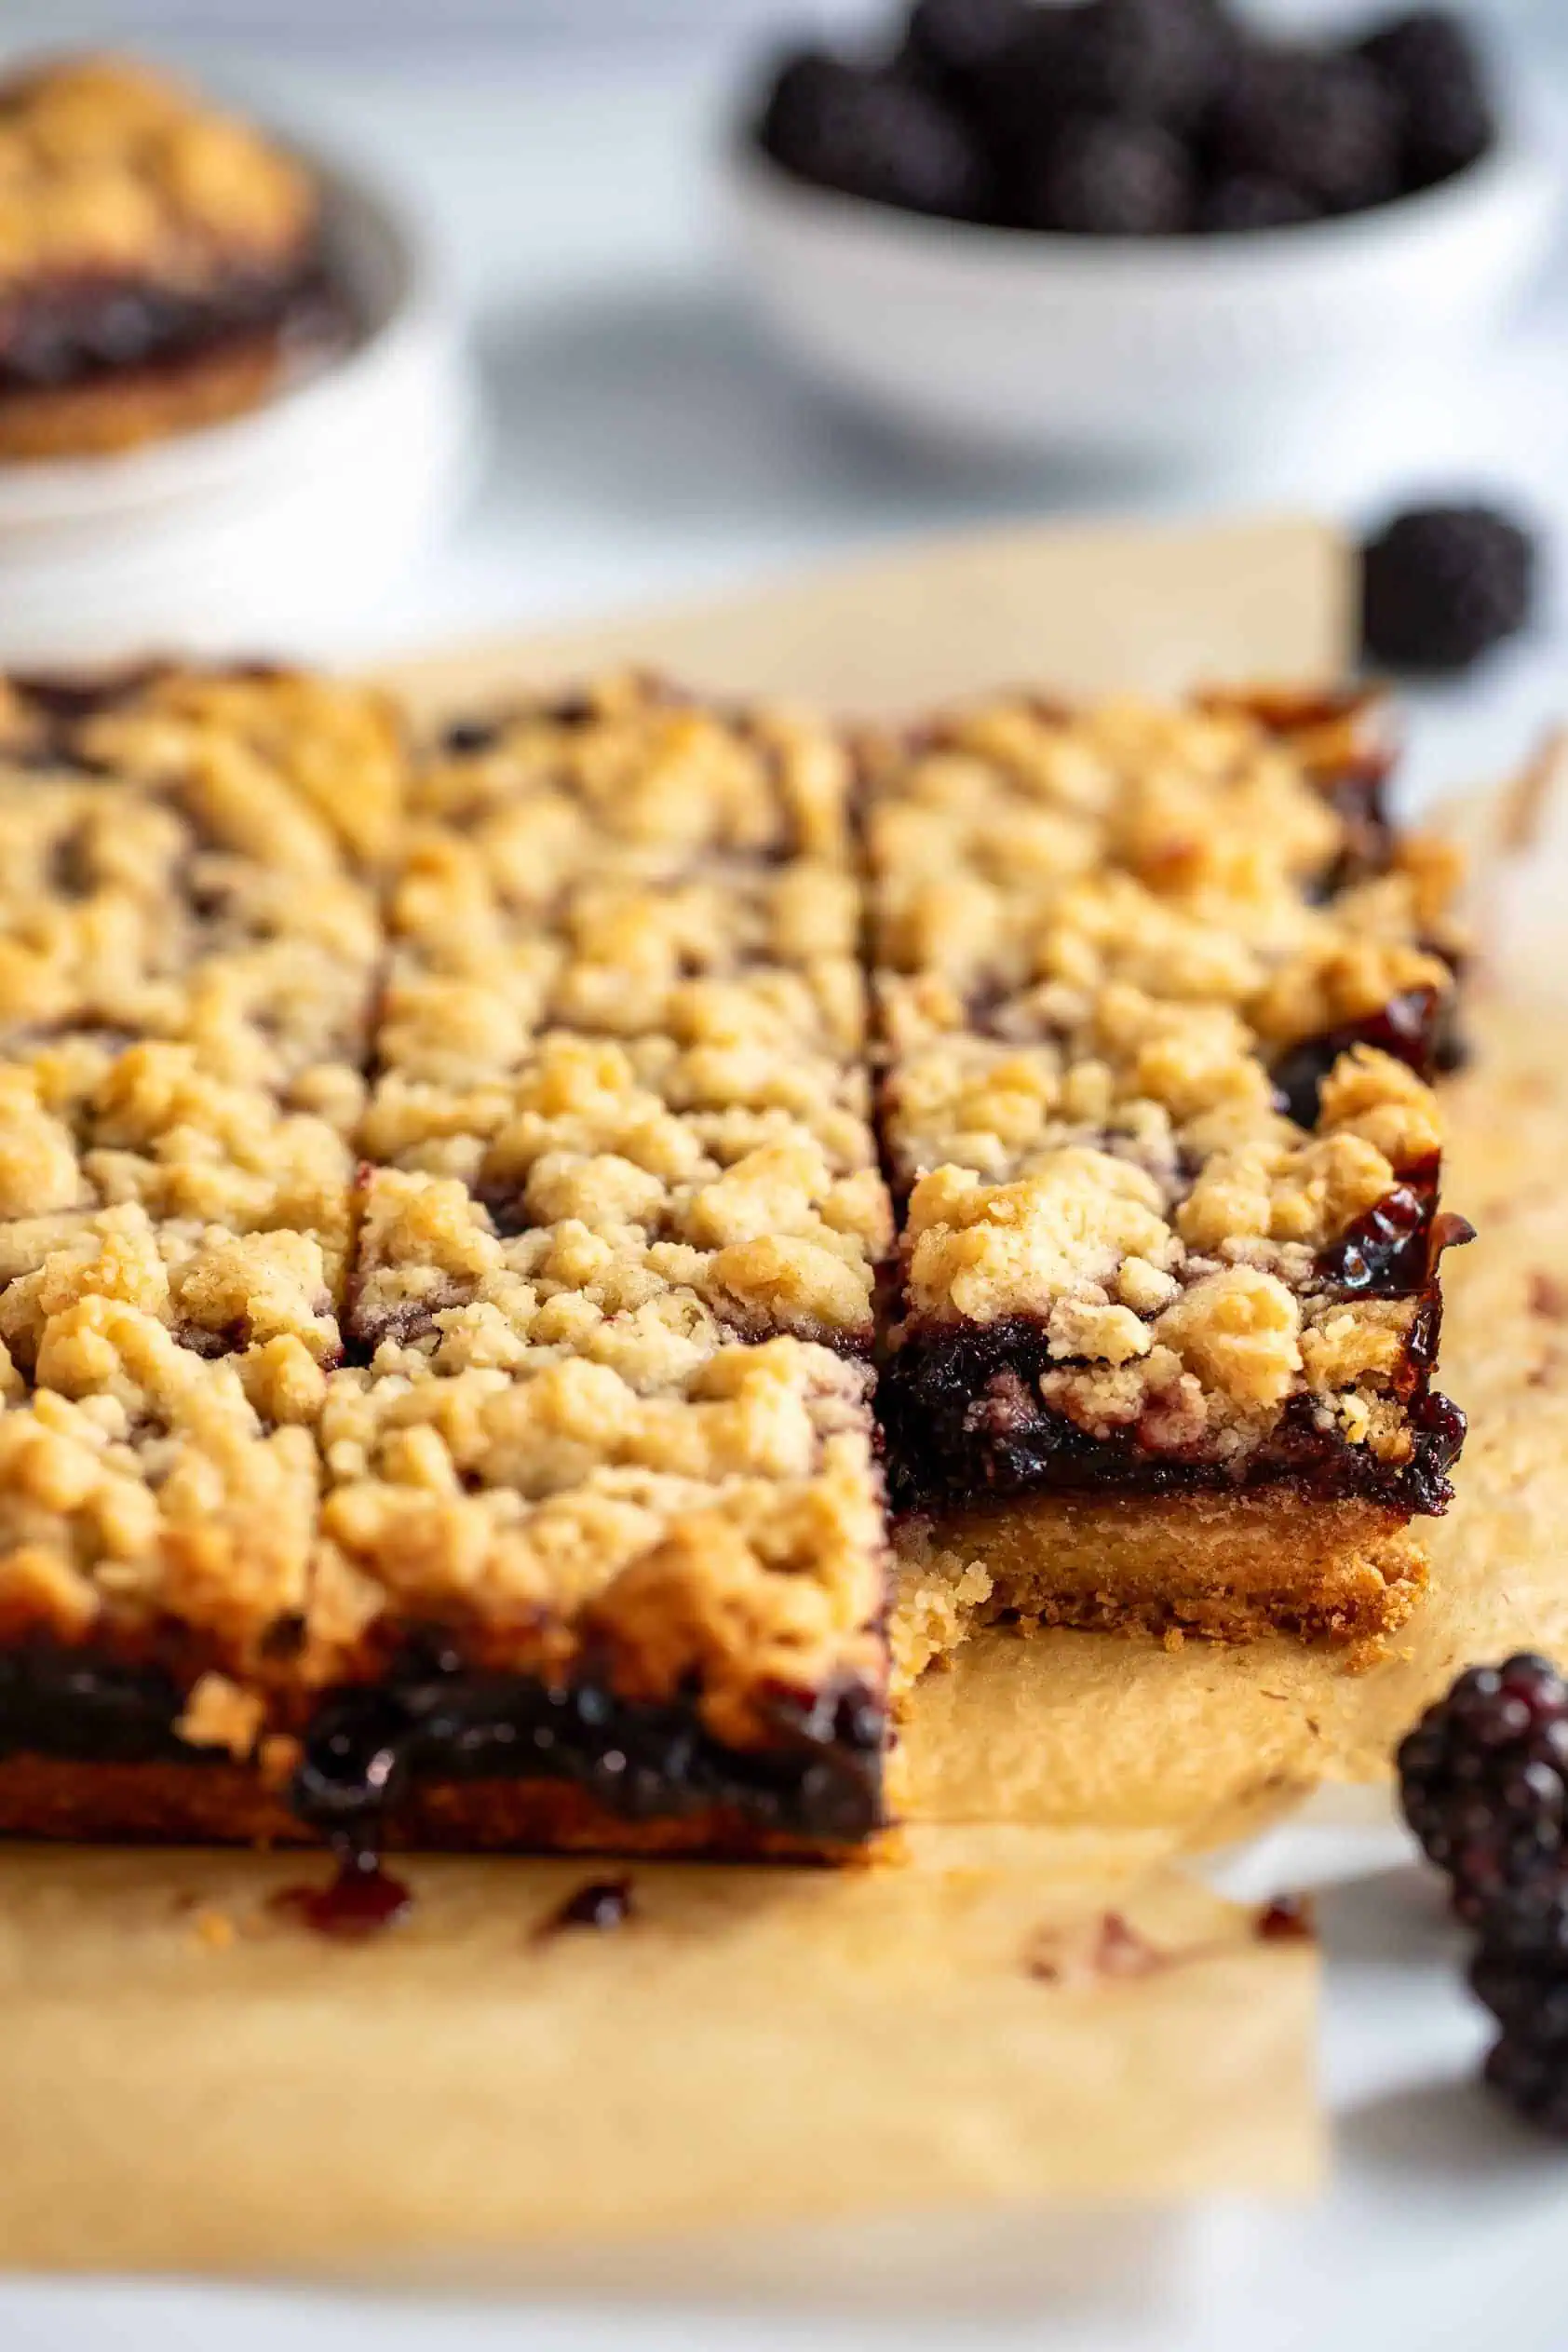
pixel 1230 1567
pixel 124 407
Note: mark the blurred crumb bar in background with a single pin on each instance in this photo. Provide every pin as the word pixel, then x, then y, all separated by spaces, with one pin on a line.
pixel 1161 992
pixel 160 261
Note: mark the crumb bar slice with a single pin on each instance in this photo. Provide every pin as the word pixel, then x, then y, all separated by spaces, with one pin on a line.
pixel 627 863
pixel 534 1346
pixel 159 257
pixel 1160 990
pixel 604 1555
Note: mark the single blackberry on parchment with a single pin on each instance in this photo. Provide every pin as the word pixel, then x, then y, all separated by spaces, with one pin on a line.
pixel 1440 586
pixel 1433 67
pixel 1101 177
pixel 1483 1779
pixel 874 134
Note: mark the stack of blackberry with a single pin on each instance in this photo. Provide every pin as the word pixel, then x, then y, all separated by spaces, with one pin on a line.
pixel 1484 1780
pixel 1130 117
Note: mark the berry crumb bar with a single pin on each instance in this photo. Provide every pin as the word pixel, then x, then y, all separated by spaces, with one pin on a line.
pixel 160 260
pixel 1160 993
pixel 438 1263
pixel 488 1227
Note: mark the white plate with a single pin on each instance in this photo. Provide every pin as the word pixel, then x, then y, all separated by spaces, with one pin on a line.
pixel 260 527
pixel 1138 347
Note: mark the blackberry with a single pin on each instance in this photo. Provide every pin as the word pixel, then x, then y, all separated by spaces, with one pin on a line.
pixel 1440 586
pixel 1324 123
pixel 1101 177
pixel 802 86
pixel 1016 98
pixel 1157 61
pixel 1523 1929
pixel 1520 1974
pixel 1435 70
pixel 955 43
pixel 871 134
pixel 1531 2074
pixel 1247 200
pixel 1483 1779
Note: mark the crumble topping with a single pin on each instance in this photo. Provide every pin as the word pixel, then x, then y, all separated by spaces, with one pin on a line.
pixel 109 168
pixel 727 1527
pixel 1190 853
pixel 193 858
pixel 148 1126
pixel 517 1285
pixel 138 1479
pixel 1098 933
pixel 631 864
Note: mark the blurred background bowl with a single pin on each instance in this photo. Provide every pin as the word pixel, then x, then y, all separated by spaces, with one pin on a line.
pixel 1140 349
pixel 258 529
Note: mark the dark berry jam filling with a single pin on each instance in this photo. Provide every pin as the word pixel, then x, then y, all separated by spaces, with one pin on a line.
pixel 1418 1027
pixel 965 1422
pixel 73 330
pixel 820 1777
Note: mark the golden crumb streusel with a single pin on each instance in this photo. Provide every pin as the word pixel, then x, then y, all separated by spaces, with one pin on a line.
pixel 111 170
pixel 633 864
pixel 194 856
pixel 1024 859
pixel 1101 935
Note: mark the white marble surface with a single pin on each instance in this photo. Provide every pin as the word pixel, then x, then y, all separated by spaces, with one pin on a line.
pixel 644 446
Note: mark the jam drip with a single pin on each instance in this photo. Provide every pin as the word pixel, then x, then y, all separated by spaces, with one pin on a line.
pixel 362 1900
pixel 602 1904
pixel 820 1777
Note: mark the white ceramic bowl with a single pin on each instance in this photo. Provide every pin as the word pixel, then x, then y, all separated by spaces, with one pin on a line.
pixel 272 529
pixel 1136 348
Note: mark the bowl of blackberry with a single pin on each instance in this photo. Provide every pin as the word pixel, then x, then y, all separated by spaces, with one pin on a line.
pixel 1134 227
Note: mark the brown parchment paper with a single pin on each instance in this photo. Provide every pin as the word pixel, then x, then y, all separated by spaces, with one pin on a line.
pixel 749 2045
pixel 187 2081
pixel 1086 608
